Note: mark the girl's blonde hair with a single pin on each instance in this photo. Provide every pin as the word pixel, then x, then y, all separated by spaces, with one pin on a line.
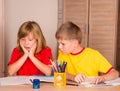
pixel 34 28
pixel 69 31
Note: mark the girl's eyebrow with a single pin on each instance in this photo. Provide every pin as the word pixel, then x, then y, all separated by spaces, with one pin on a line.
pixel 22 38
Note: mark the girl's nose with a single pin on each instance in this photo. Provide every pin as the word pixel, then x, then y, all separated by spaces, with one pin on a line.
pixel 26 42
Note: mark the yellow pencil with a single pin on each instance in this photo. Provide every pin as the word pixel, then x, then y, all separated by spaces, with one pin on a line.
pixel 54 65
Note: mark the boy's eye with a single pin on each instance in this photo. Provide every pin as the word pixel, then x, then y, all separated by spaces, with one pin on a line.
pixel 62 44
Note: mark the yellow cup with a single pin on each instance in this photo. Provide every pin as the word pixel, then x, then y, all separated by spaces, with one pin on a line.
pixel 59 80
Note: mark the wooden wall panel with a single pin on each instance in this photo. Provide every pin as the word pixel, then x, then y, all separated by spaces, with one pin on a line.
pixel 103 25
pixel 77 12
pixel 1 40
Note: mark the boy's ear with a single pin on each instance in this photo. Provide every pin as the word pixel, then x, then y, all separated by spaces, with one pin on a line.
pixel 76 41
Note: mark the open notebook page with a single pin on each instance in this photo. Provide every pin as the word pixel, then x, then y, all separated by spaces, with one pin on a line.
pixel 17 80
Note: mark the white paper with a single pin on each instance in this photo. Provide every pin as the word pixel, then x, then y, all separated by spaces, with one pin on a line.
pixel 18 80
pixel 14 80
pixel 89 84
pixel 43 78
pixel 114 82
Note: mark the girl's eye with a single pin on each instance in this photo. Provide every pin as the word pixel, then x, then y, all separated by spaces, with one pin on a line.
pixel 23 39
pixel 30 39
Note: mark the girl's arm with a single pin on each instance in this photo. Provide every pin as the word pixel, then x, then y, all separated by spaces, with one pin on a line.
pixel 41 66
pixel 13 68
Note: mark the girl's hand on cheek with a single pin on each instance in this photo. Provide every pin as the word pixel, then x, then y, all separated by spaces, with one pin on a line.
pixel 32 50
pixel 23 48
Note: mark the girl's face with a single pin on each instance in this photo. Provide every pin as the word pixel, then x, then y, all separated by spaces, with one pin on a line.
pixel 28 41
pixel 67 46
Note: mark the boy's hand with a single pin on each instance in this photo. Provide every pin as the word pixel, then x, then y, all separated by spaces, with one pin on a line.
pixel 99 79
pixel 80 78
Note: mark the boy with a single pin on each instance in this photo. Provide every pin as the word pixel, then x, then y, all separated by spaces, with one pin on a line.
pixel 81 62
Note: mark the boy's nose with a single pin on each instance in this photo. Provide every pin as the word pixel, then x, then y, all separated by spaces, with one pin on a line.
pixel 59 46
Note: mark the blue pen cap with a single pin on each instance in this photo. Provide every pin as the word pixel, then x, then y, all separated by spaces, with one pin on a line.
pixel 36 83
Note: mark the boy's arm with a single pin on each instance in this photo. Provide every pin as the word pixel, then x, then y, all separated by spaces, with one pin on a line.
pixel 70 77
pixel 77 78
pixel 113 74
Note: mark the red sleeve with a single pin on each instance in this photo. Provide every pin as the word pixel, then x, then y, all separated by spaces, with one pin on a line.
pixel 109 70
pixel 16 54
pixel 44 55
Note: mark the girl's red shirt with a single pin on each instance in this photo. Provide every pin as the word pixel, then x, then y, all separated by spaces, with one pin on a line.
pixel 28 67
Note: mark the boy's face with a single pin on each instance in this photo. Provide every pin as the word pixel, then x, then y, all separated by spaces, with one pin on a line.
pixel 67 46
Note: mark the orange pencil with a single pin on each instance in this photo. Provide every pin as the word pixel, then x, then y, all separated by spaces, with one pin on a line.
pixel 53 65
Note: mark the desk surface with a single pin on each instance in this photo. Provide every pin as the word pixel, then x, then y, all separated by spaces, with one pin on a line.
pixel 49 87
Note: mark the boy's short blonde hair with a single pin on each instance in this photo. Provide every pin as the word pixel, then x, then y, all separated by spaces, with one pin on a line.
pixel 34 28
pixel 69 31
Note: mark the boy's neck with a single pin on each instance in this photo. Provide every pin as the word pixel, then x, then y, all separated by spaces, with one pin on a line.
pixel 77 50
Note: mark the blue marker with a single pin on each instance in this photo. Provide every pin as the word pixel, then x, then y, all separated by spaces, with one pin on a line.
pixel 36 84
pixel 64 66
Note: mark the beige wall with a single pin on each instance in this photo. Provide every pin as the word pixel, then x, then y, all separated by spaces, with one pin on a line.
pixel 42 11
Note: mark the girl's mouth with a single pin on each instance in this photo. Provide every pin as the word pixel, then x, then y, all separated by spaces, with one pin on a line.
pixel 27 48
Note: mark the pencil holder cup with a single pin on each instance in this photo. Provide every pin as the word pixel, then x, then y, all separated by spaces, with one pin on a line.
pixel 59 79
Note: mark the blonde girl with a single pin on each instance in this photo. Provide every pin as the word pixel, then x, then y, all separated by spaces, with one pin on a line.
pixel 31 56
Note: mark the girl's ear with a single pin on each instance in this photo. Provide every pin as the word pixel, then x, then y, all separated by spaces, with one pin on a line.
pixel 37 42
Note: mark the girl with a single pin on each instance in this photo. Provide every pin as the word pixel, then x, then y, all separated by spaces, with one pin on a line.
pixel 31 56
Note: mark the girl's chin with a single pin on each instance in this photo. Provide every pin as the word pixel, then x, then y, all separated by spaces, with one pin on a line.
pixel 28 49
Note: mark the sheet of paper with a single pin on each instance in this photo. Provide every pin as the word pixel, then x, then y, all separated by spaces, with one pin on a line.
pixel 43 78
pixel 115 82
pixel 88 82
pixel 14 80
pixel 18 80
